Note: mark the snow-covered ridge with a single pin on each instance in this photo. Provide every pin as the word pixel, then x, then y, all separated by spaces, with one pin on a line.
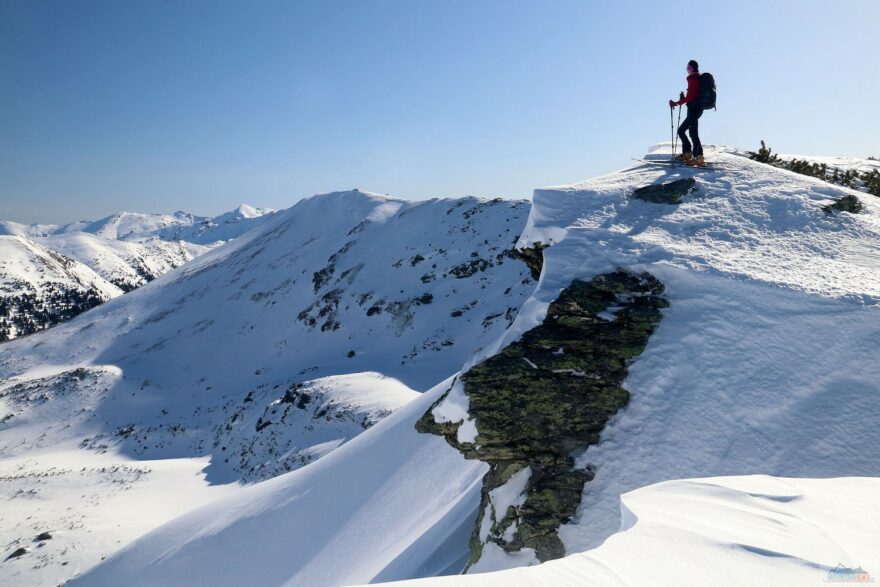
pixel 254 359
pixel 137 226
pixel 764 364
pixel 125 250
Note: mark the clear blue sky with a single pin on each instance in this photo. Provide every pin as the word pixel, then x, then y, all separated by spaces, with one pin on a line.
pixel 168 105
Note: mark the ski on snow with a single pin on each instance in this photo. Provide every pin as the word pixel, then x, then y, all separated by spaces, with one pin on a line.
pixel 670 163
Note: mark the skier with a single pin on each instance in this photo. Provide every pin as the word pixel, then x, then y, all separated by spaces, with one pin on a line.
pixel 691 122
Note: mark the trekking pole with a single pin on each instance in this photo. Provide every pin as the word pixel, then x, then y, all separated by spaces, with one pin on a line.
pixel 678 123
pixel 672 134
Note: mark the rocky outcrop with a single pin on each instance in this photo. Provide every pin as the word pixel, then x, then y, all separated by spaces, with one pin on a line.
pixel 533 257
pixel 545 398
pixel 670 192
pixel 848 203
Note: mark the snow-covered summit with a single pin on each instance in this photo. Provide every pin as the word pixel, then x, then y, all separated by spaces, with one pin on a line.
pixel 242 212
pixel 763 363
pixel 745 220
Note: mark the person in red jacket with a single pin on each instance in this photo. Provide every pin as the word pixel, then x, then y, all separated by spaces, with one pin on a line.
pixel 691 122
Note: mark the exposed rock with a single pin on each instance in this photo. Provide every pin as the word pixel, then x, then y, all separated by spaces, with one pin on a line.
pixel 21 551
pixel 670 192
pixel 533 257
pixel 43 536
pixel 469 268
pixel 848 203
pixel 548 396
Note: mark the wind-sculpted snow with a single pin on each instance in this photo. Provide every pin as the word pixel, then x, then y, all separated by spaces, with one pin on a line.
pixel 747 220
pixel 765 362
pixel 754 530
pixel 269 352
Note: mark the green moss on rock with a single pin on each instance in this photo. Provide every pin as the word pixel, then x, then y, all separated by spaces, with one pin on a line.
pixel 547 397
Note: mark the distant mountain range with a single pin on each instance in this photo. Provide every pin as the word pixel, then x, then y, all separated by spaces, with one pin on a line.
pixel 49 273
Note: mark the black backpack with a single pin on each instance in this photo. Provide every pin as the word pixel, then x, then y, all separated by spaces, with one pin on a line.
pixel 707 91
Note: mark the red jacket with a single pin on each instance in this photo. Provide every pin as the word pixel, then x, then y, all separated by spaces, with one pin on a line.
pixel 693 89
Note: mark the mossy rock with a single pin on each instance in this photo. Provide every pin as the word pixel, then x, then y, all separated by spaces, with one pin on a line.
pixel 547 397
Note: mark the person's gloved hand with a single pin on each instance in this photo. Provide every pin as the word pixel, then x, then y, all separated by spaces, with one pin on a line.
pixel 671 104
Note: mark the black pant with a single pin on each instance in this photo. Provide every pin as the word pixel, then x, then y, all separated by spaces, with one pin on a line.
pixel 691 123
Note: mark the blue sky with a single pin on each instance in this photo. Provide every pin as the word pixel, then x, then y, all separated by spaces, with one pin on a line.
pixel 198 106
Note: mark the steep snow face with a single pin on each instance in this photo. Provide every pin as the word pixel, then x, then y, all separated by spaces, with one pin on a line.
pixel 39 287
pixel 263 354
pixel 754 530
pixel 389 504
pixel 764 363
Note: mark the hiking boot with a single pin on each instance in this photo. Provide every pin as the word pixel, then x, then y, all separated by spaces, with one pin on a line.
pixel 686 156
pixel 696 162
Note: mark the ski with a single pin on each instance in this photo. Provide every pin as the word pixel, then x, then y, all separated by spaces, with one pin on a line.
pixel 670 163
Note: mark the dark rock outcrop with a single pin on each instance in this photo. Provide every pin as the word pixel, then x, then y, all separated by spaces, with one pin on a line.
pixel 533 257
pixel 21 551
pixel 848 203
pixel 548 396
pixel 670 192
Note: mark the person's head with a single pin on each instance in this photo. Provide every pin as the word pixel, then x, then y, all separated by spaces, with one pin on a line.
pixel 693 66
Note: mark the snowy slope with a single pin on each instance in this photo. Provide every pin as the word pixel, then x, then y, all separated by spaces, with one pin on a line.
pixel 39 287
pixel 125 264
pixel 154 244
pixel 265 353
pixel 388 504
pixel 64 274
pixel 754 530
pixel 764 363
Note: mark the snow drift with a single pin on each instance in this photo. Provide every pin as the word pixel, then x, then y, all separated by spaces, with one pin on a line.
pixel 764 363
